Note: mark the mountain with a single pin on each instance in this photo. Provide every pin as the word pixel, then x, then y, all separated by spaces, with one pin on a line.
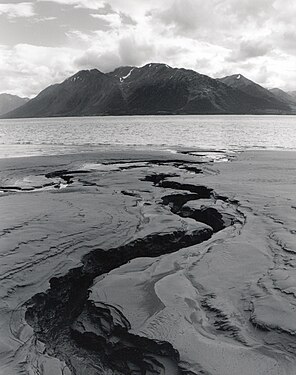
pixel 88 92
pixel 158 88
pixel 10 102
pixel 292 93
pixel 264 98
pixel 151 89
pixel 284 96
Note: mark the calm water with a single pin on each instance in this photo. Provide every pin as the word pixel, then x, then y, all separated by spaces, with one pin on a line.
pixel 62 135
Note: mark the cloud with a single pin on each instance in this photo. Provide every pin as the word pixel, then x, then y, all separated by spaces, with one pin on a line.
pixel 186 16
pixel 214 37
pixel 17 10
pixel 43 19
pixel 133 8
pixel 128 50
pixel 113 20
pixel 249 49
pixel 89 4
pixel 130 46
pixel 27 69
pixel 137 9
pixel 249 11
pixel 105 62
pixel 136 51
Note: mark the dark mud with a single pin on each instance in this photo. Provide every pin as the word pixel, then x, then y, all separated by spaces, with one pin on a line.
pixel 95 338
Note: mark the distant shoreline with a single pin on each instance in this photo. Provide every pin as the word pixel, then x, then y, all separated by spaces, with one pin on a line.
pixel 155 115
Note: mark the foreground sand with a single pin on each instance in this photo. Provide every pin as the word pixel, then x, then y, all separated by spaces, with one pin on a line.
pixel 213 278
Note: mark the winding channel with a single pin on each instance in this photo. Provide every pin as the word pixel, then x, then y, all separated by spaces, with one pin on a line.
pixel 94 338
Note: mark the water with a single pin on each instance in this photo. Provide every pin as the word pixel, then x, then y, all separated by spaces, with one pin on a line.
pixel 27 137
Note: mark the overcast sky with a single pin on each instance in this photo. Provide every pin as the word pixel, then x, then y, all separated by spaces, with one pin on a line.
pixel 44 41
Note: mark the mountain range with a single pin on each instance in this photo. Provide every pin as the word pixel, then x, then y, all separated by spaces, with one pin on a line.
pixel 10 102
pixel 287 97
pixel 154 89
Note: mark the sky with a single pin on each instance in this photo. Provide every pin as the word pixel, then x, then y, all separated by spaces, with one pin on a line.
pixel 45 41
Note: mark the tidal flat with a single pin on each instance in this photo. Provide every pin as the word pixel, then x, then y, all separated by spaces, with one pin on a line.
pixel 135 262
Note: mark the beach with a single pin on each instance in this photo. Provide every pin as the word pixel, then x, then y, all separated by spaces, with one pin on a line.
pixel 118 262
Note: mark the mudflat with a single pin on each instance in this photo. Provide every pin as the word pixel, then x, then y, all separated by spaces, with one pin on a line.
pixel 148 263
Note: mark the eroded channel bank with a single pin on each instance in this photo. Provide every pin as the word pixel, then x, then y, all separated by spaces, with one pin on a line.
pixel 72 326
pixel 182 282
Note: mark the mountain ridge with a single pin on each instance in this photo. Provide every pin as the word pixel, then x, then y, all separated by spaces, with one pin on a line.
pixel 284 96
pixel 9 102
pixel 152 89
pixel 264 96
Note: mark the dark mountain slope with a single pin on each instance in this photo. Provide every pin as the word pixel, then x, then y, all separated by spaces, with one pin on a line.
pixel 158 88
pixel 292 93
pixel 151 89
pixel 262 97
pixel 88 92
pixel 284 96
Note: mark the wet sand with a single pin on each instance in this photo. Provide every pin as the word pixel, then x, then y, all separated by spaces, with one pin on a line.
pixel 152 262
